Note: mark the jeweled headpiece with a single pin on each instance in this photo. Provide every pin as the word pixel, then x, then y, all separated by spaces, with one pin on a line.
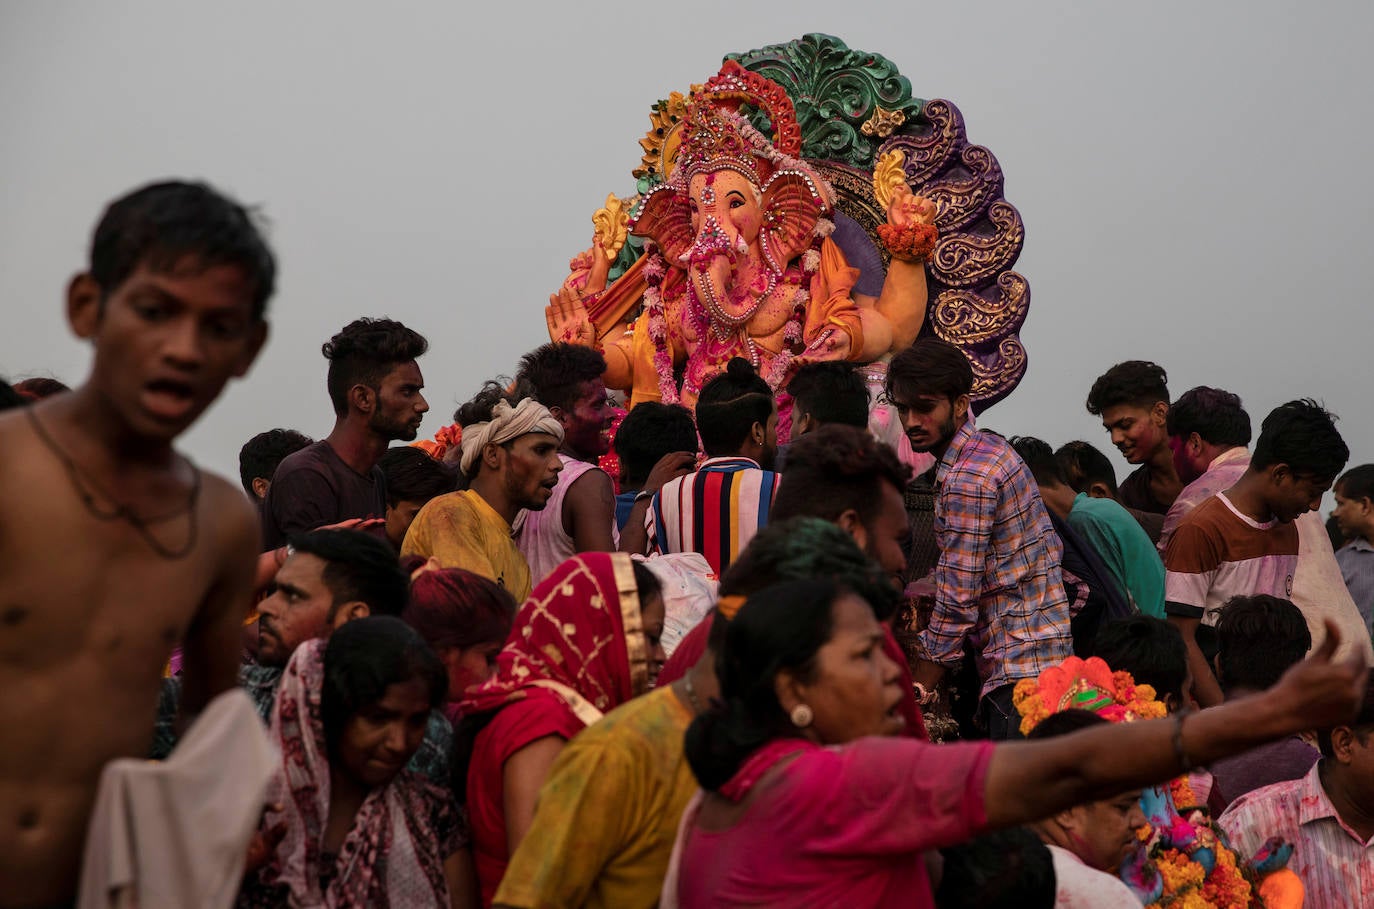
pixel 715 140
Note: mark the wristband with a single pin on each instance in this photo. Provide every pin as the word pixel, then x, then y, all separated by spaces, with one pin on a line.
pixel 642 495
pixel 1184 761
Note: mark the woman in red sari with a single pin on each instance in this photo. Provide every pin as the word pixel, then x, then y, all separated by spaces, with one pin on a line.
pixel 810 800
pixel 586 641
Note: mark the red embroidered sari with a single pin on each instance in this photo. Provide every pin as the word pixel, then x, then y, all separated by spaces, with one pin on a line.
pixel 576 650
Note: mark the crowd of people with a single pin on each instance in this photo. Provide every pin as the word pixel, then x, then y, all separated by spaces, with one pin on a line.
pixel 562 655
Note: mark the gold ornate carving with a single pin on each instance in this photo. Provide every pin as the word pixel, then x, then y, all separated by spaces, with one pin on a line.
pixel 960 201
pixel 610 224
pixel 883 123
pixel 966 259
pixel 887 173
pixel 964 317
pixel 661 142
pixel 994 379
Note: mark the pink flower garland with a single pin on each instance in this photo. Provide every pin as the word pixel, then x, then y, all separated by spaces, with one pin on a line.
pixel 654 270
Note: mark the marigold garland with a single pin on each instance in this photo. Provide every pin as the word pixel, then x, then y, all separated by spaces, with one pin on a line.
pixel 914 243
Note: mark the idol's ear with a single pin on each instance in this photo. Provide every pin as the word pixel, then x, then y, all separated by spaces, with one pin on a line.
pixel 665 216
pixel 791 205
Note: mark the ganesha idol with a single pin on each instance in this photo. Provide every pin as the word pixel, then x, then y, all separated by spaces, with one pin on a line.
pixel 739 244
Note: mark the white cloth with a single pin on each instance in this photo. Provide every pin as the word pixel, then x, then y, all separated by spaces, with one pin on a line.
pixel 689 592
pixel 1077 886
pixel 175 833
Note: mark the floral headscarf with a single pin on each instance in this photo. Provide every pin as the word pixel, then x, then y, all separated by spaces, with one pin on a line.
pixel 579 636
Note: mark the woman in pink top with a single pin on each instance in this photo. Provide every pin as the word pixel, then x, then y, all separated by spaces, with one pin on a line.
pixel 810 800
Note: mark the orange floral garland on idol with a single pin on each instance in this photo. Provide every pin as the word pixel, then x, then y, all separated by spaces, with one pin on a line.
pixel 1183 861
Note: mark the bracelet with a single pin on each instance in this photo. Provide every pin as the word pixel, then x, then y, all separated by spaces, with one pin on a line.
pixel 909 244
pixel 1184 761
pixel 642 495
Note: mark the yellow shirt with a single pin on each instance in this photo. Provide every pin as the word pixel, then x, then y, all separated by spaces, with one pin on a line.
pixel 462 531
pixel 608 815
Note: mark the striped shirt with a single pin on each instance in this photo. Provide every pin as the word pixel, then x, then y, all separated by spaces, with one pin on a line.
pixel 1335 864
pixel 715 511
pixel 997 584
pixel 1218 553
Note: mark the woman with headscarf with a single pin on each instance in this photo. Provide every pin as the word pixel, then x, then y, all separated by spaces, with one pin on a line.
pixel 586 641
pixel 465 619
pixel 349 826
pixel 811 801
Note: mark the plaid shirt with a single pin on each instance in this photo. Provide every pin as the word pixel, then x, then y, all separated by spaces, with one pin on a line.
pixel 997 584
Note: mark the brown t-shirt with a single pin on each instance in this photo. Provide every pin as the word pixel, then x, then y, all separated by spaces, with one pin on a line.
pixel 1134 493
pixel 312 488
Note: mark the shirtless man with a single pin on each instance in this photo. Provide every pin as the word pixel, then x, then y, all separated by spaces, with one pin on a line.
pixel 113 547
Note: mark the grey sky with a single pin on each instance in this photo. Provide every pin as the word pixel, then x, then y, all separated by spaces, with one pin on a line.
pixel 1193 177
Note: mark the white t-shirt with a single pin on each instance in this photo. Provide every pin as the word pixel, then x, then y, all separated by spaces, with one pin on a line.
pixel 1079 887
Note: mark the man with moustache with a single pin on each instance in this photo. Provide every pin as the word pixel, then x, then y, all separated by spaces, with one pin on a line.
pixel 374 385
pixel 510 460
pixel 998 587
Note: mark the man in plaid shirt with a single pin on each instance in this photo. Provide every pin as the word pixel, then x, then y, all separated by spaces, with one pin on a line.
pixel 998 589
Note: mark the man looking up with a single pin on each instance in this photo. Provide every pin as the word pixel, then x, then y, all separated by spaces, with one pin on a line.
pixel 1132 398
pixel 260 455
pixel 1328 816
pixel 580 515
pixel 510 460
pixel 172 303
pixel 831 391
pixel 718 509
pixel 1107 527
pixel 374 385
pixel 1242 542
pixel 1208 434
pixel 1355 516
pixel 997 582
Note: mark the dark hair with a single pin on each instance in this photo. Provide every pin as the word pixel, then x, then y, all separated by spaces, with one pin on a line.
pixel 1082 465
pixel 1215 415
pixel 1040 459
pixel 1357 483
pixel 930 366
pixel 452 607
pixel 261 454
pixel 780 628
pixel 1362 725
pixel 1150 649
pixel 730 405
pixel 1005 869
pixel 1302 435
pixel 365 657
pixel 1066 722
pixel 413 476
pixel 363 352
pixel 36 388
pixel 650 431
pixel 803 547
pixel 1138 383
pixel 10 399
pixel 556 372
pixel 478 408
pixel 831 391
pixel 834 469
pixel 358 566
pixel 1258 638
pixel 161 224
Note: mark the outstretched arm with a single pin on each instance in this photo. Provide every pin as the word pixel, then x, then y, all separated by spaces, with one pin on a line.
pixel 903 299
pixel 1031 780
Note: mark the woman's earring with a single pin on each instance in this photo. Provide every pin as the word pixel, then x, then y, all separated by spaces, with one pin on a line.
pixel 802 716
